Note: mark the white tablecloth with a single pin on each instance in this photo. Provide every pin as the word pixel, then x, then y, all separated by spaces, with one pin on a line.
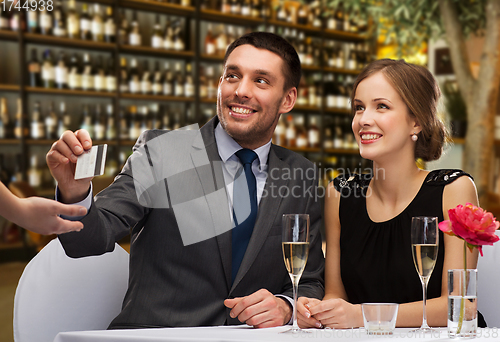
pixel 246 333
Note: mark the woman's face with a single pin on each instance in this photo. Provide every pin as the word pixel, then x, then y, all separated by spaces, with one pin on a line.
pixel 382 124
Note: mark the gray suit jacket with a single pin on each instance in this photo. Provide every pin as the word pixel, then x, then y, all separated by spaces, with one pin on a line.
pixel 174 283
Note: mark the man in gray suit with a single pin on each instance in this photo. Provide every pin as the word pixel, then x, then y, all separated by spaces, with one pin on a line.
pixel 177 278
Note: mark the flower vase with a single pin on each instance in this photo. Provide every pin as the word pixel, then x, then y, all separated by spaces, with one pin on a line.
pixel 462 303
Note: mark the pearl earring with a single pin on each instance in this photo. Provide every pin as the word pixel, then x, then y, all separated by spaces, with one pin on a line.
pixel 414 137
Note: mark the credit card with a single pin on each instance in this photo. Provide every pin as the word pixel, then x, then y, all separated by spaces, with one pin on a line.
pixel 91 163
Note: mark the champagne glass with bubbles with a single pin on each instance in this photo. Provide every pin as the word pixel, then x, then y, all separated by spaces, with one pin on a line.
pixel 295 245
pixel 424 247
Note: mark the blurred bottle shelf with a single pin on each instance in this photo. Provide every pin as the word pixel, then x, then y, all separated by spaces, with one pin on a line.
pixel 70 92
pixel 146 50
pixel 342 150
pixel 228 18
pixel 69 42
pixel 157 97
pixel 91 93
pixel 98 46
pixel 9 87
pixel 12 245
pixel 150 51
pixel 46 192
pixel 9 35
pixel 461 141
pixel 10 141
pixel 341 71
pixel 322 51
pixel 158 7
pixel 50 142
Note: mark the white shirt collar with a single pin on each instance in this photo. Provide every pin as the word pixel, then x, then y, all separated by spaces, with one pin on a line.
pixel 227 147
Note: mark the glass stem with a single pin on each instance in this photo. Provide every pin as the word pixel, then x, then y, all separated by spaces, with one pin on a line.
pixel 295 283
pixel 424 291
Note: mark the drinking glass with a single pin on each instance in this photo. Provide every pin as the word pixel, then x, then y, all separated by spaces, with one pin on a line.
pixel 424 247
pixel 462 303
pixel 295 245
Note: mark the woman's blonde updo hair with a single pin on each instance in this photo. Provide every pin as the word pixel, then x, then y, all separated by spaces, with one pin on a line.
pixel 420 92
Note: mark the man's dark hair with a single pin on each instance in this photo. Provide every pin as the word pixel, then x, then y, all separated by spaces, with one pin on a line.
pixel 278 45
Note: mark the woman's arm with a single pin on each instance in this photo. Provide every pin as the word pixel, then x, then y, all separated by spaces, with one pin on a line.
pixel 334 288
pixel 39 215
pixel 334 311
pixel 460 191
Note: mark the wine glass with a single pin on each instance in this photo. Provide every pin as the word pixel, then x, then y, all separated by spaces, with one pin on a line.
pixel 295 245
pixel 424 247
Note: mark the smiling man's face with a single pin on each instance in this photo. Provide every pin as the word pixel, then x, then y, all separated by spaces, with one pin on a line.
pixel 251 97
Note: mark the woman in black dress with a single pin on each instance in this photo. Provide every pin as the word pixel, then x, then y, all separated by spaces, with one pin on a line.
pixel 368 217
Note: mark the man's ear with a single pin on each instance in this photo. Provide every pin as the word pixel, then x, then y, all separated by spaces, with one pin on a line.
pixel 288 101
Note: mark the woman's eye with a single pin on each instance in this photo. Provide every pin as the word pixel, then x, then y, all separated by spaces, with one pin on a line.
pixel 382 106
pixel 358 108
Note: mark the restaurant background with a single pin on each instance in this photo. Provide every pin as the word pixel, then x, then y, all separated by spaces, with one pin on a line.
pixel 118 67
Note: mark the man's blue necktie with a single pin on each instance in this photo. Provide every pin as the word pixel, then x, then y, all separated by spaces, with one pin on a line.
pixel 244 208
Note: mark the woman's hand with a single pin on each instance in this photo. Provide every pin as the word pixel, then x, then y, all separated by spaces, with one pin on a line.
pixel 41 215
pixel 337 313
pixel 304 318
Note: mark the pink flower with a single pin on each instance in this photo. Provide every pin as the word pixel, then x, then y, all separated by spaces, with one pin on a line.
pixel 472 224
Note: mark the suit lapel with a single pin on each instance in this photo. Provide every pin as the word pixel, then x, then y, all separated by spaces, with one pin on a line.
pixel 211 179
pixel 268 209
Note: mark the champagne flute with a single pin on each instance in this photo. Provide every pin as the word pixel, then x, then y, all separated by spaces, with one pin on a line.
pixel 295 245
pixel 424 247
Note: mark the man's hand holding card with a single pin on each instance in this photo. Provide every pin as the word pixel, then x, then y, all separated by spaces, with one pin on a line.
pixel 62 160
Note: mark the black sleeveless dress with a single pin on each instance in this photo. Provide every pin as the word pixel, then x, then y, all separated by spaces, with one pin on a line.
pixel 376 260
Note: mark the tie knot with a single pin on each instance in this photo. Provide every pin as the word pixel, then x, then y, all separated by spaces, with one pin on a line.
pixel 246 156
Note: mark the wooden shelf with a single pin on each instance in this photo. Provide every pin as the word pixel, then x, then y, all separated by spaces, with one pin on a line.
pixel 304 149
pixel 306 108
pixel 310 68
pixel 229 18
pixel 127 142
pixel 70 92
pixel 343 35
pixel 50 142
pixel 9 87
pixel 207 100
pixel 342 150
pixel 342 71
pixel 461 141
pixel 155 6
pixel 9 35
pixel 156 97
pixel 306 28
pixel 10 141
pixel 212 58
pixel 104 2
pixel 46 192
pixel 62 41
pixel 342 111
pixel 150 51
pixel 13 245
pixel 40 141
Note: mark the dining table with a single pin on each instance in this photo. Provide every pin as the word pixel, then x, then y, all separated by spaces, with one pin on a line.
pixel 245 333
